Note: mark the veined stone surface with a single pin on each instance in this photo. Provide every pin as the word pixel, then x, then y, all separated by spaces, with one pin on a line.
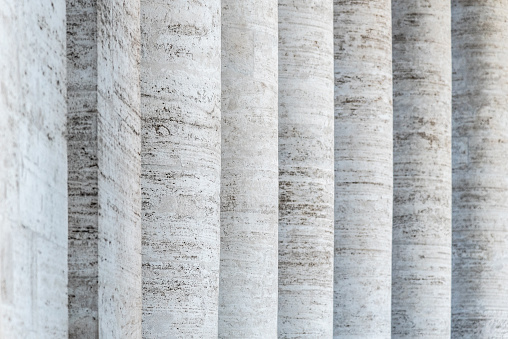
pixel 249 180
pixel 33 170
pixel 480 177
pixel 305 169
pixel 421 294
pixel 103 52
pixel 363 168
pixel 180 86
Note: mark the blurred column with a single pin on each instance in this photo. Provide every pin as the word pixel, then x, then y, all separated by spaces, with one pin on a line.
pixel 421 298
pixel 363 168
pixel 480 171
pixel 249 181
pixel 305 169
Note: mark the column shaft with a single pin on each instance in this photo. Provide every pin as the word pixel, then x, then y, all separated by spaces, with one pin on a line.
pixel 480 178
pixel 249 181
pixel 180 88
pixel 305 169
pixel 422 169
pixel 363 168
pixel 33 170
pixel 104 124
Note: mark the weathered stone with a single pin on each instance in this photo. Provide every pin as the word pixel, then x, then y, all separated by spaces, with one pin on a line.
pixel 480 177
pixel 305 169
pixel 421 294
pixel 180 86
pixel 249 180
pixel 33 170
pixel 103 52
pixel 363 168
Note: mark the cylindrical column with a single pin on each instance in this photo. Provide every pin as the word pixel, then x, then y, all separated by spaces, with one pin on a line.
pixel 180 105
pixel 480 176
pixel 363 168
pixel 305 169
pixel 421 294
pixel 104 123
pixel 33 170
pixel 249 181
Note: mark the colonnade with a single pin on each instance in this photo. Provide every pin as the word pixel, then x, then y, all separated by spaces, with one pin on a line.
pixel 203 169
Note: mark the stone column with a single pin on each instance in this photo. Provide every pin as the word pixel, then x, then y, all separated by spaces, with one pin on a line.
pixel 421 296
pixel 305 169
pixel 249 181
pixel 363 168
pixel 480 173
pixel 180 88
pixel 104 124
pixel 33 170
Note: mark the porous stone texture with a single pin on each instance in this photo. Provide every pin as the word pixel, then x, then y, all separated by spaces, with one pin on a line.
pixel 180 86
pixel 305 169
pixel 249 179
pixel 421 294
pixel 480 180
pixel 363 168
pixel 103 52
pixel 33 170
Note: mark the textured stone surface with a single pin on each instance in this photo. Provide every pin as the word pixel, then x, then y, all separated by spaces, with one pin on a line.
pixel 421 294
pixel 480 178
pixel 363 168
pixel 33 170
pixel 180 84
pixel 305 169
pixel 103 52
pixel 249 180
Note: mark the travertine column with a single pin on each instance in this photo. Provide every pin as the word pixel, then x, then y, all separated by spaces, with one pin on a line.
pixel 305 169
pixel 363 168
pixel 180 86
pixel 480 171
pixel 421 294
pixel 104 124
pixel 249 180
pixel 33 170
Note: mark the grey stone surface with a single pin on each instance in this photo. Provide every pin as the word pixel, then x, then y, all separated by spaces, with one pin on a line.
pixel 180 84
pixel 33 170
pixel 363 168
pixel 305 169
pixel 421 294
pixel 249 180
pixel 480 178
pixel 103 52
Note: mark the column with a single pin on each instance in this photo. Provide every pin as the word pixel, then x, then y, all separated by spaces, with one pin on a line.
pixel 421 296
pixel 480 181
pixel 363 168
pixel 180 106
pixel 33 170
pixel 104 125
pixel 249 180
pixel 305 169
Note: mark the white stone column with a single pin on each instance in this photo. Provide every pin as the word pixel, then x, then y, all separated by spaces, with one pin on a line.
pixel 480 172
pixel 421 294
pixel 180 88
pixel 249 180
pixel 33 170
pixel 305 169
pixel 103 53
pixel 363 168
